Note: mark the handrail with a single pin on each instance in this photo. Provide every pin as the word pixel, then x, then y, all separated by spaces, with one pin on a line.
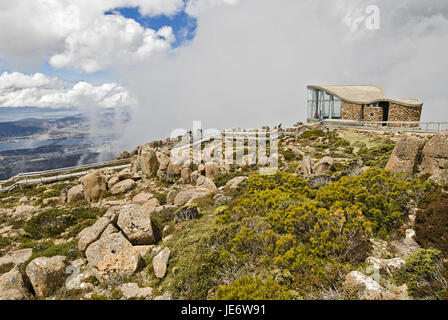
pixel 422 126
pixel 26 178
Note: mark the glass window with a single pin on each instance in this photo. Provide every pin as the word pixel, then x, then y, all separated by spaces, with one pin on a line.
pixel 336 113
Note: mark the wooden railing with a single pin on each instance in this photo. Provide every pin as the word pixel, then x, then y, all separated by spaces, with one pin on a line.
pixel 58 174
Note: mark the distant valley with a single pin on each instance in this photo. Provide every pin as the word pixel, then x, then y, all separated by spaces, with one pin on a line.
pixel 35 139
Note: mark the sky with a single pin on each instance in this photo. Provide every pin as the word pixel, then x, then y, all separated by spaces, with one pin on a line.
pixel 227 63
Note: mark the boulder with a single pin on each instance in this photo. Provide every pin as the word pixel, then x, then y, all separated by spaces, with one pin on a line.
pixel 75 193
pixel 186 213
pixel 184 197
pixel 113 256
pixel 358 286
pixel 160 262
pixel 171 196
pixel 435 157
pixel 206 183
pixel 109 230
pixel 133 291
pixel 135 222
pixel 405 156
pixel 235 182
pixel 92 233
pixel 15 259
pixel 112 181
pixel 174 169
pixel 142 197
pixel 23 212
pixel 52 200
pixel 94 185
pixel 306 167
pixel 12 286
pixel 211 170
pixel 148 161
pixel 386 266
pixel 47 274
pixel 323 166
pixel 185 175
pixel 123 186
pixel 150 205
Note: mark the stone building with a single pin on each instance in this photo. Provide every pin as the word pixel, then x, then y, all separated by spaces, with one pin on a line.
pixel 363 102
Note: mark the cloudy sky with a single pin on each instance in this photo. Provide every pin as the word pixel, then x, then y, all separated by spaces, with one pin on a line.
pixel 228 63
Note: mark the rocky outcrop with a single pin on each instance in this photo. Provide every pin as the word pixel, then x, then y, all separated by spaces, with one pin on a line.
pixel 306 167
pixel 135 222
pixel 12 286
pixel 323 166
pixel 405 156
pixel 435 157
pixel 75 193
pixel 187 196
pixel 211 170
pixel 206 183
pixel 94 185
pixel 113 256
pixel 160 262
pixel 235 182
pixel 171 196
pixel 142 197
pixel 185 175
pixel 132 291
pixel 92 233
pixel 15 259
pixel 358 286
pixel 148 162
pixel 123 186
pixel 47 274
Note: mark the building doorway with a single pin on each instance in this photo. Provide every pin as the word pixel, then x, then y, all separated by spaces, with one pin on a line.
pixel 385 107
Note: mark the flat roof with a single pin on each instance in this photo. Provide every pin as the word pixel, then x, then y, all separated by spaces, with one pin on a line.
pixel 365 94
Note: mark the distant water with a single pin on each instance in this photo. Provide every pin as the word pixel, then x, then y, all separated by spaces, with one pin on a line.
pixel 8 114
pixel 27 143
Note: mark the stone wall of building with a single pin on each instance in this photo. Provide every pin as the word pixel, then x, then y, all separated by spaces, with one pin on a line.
pixel 350 111
pixel 373 114
pixel 403 113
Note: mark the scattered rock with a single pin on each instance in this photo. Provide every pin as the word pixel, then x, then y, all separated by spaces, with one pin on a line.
pixel 235 182
pixel 186 196
pixel 306 167
pixel 109 230
pixel 386 266
pixel 148 161
pixel 112 181
pixel 185 175
pixel 206 183
pixel 404 158
pixel 24 212
pixel 150 205
pixel 160 262
pixel 15 259
pixel 92 233
pixel 52 200
pixel 358 286
pixel 133 291
pixel 211 170
pixel 171 196
pixel 142 197
pixel 323 166
pixel 12 286
pixel 435 157
pixel 136 224
pixel 123 187
pixel 47 274
pixel 113 256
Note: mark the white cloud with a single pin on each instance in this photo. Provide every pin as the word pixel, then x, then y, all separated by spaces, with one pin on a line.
pixel 197 7
pixel 249 64
pixel 111 40
pixel 34 31
pixel 38 90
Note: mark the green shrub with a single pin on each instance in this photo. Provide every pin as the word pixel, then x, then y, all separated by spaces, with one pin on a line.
pixel 377 157
pixel 161 197
pixel 254 288
pixel 49 249
pixel 312 134
pixel 291 155
pixel 53 222
pixel 423 274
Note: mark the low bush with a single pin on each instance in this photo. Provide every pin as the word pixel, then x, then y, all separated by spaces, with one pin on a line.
pixel 254 288
pixel 224 177
pixel 431 226
pixel 423 274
